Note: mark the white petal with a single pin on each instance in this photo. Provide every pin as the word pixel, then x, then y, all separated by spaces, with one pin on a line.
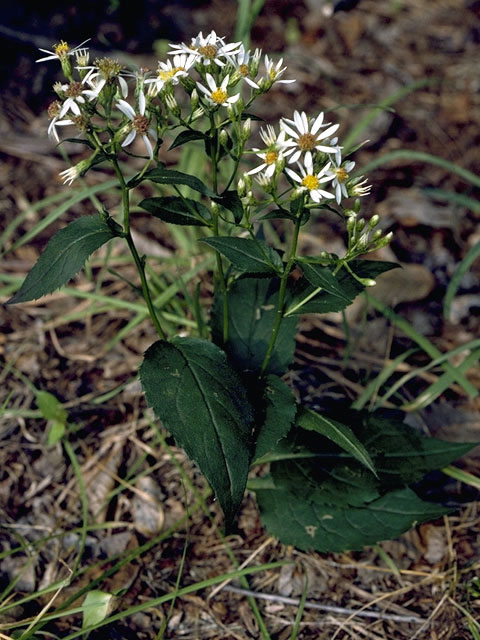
pixel 257 169
pixel 130 138
pixel 211 82
pixel 204 89
pixel 299 122
pixel 293 175
pixel 126 109
pixel 328 132
pixel 233 99
pixel 123 86
pixel 317 124
pixel 148 144
pixel 304 121
pixel 141 103
pixel 295 156
pixel 290 131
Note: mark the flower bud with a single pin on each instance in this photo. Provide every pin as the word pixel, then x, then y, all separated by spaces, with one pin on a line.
pixel 246 129
pixel 188 84
pixel 172 105
pixel 215 208
pixel 241 188
pixel 377 235
pixel 373 222
pixel 223 138
pixel 194 100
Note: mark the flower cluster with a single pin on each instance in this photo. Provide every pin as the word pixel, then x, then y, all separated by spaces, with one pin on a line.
pixel 215 75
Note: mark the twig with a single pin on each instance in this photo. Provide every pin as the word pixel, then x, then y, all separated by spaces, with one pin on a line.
pixel 325 607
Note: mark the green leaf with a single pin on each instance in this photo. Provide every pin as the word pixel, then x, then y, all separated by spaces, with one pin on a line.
pixel 50 407
pixel 401 453
pixel 246 255
pixel 64 255
pixel 252 304
pixel 203 403
pixel 53 411
pixel 277 214
pixel 280 409
pixel 339 294
pixel 161 175
pixel 186 136
pixel 231 201
pixel 326 528
pixel 339 433
pixel 177 210
pixel 96 606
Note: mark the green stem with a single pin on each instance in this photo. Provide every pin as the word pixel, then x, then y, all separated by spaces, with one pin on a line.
pixel 133 250
pixel 281 294
pixel 215 228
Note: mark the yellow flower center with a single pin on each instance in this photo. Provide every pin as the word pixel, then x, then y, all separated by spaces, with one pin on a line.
pixel 311 182
pixel 208 51
pixel 306 142
pixel 61 50
pixel 243 68
pixel 140 124
pixel 166 75
pixel 108 67
pixel 219 96
pixel 341 174
pixel 271 157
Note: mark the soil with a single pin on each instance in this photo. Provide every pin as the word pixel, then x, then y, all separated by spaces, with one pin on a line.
pixel 425 54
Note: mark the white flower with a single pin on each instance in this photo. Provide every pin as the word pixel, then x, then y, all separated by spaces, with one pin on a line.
pixel 246 65
pixel 74 93
pixel 340 176
pixel 274 73
pixel 104 70
pixel 169 72
pixel 61 51
pixel 139 121
pixel 54 114
pixel 69 175
pixel 358 190
pixel 311 181
pixel 273 154
pixel 217 95
pixel 308 136
pixel 208 49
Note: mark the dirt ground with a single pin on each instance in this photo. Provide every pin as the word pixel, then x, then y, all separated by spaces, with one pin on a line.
pixel 417 587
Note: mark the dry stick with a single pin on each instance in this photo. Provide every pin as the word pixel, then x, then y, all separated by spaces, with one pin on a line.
pixel 430 617
pixel 325 607
pixel 246 562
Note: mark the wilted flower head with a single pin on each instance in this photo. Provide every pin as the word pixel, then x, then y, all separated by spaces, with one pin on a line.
pixel 139 123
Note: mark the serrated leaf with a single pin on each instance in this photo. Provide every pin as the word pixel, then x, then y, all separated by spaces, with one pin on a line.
pixel 96 606
pixel 186 136
pixel 246 255
pixel 252 304
pixel 64 255
pixel 280 409
pixel 337 432
pixel 170 176
pixel 177 210
pixel 203 403
pixel 231 201
pixel 326 528
pixel 347 288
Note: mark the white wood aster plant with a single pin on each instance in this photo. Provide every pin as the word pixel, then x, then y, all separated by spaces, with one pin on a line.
pixel 333 484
